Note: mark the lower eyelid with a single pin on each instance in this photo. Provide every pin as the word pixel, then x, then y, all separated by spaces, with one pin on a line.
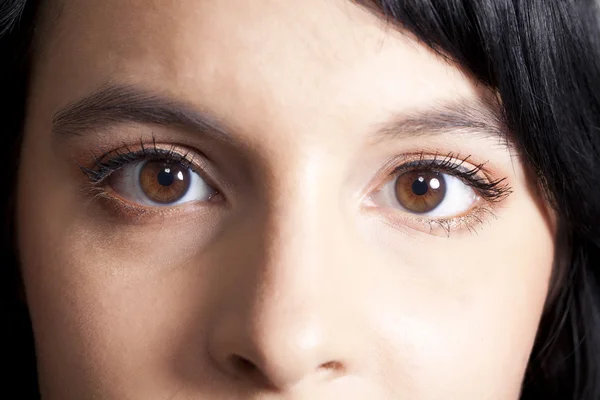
pixel 121 210
pixel 471 222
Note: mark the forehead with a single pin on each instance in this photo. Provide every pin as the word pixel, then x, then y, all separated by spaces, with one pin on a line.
pixel 257 57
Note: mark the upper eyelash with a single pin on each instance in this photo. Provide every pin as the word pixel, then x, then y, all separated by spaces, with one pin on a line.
pixel 492 191
pixel 108 163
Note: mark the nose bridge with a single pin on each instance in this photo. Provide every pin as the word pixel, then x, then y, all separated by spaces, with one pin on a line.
pixel 292 323
pixel 304 223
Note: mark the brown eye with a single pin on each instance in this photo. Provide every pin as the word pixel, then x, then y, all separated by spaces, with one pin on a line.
pixel 159 183
pixel 164 183
pixel 420 191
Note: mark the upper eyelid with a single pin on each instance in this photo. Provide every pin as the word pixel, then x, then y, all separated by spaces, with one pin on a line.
pixel 489 187
pixel 444 163
pixel 455 162
pixel 434 165
pixel 438 161
pixel 101 168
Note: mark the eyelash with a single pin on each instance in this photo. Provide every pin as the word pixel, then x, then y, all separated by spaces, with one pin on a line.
pixel 493 191
pixel 125 156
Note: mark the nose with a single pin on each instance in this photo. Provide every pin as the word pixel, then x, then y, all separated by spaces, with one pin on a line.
pixel 278 349
pixel 285 315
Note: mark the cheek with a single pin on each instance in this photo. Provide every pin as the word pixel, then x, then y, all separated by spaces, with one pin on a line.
pixel 102 294
pixel 101 312
pixel 464 311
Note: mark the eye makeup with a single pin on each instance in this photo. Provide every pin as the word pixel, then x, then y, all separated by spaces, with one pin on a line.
pixel 150 180
pixel 435 193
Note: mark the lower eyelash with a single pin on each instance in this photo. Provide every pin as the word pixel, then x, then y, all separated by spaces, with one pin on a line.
pixel 469 222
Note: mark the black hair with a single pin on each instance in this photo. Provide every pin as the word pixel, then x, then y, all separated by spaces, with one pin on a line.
pixel 541 57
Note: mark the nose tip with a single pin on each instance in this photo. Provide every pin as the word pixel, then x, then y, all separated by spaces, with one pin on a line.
pixel 279 359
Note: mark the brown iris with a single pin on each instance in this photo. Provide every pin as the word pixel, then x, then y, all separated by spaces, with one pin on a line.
pixel 420 191
pixel 164 183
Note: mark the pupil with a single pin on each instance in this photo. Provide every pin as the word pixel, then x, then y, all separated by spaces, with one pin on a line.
pixel 420 186
pixel 165 177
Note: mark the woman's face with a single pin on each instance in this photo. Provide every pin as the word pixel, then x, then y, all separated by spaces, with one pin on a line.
pixel 260 200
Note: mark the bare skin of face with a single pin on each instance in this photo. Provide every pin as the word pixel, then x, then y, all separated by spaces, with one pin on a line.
pixel 256 199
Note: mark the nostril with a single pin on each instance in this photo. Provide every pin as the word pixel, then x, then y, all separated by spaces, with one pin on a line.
pixel 331 370
pixel 246 369
pixel 331 366
pixel 243 365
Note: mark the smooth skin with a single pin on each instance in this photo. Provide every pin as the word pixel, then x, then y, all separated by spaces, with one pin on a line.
pixel 297 279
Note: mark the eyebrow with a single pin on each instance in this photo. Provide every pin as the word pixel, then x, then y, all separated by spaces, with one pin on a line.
pixel 117 104
pixel 482 117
